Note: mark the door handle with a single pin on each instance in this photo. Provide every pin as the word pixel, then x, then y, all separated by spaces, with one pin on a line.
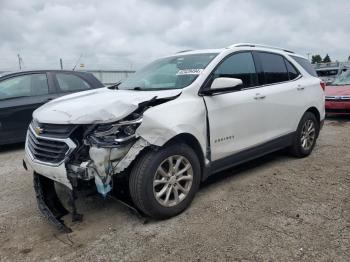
pixel 259 96
pixel 300 88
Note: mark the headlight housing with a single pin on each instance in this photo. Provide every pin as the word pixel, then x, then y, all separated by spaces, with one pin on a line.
pixel 116 133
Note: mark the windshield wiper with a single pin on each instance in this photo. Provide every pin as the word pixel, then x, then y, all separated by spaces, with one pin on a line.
pixel 115 86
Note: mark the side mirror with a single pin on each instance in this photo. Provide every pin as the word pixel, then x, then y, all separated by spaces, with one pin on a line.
pixel 225 83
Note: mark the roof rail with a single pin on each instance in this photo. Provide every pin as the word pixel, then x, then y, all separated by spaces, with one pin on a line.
pixel 183 51
pixel 259 45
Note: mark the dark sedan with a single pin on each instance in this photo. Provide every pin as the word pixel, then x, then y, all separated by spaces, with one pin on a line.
pixel 23 92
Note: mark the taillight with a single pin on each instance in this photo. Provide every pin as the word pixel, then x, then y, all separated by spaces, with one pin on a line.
pixel 323 85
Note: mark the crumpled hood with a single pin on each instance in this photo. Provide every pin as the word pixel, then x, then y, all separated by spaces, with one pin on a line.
pixel 338 90
pixel 96 106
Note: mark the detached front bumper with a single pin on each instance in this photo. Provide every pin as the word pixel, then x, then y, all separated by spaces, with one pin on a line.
pixel 56 173
pixel 44 177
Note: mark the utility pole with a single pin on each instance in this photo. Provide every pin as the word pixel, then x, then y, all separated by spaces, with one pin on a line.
pixel 308 56
pixel 61 63
pixel 19 61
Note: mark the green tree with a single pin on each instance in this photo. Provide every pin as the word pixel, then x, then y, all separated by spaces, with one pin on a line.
pixel 316 59
pixel 327 59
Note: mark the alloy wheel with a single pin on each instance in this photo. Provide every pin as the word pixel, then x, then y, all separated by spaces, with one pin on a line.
pixel 172 181
pixel 308 135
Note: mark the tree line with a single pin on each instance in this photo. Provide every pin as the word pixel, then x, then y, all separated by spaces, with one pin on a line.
pixel 318 59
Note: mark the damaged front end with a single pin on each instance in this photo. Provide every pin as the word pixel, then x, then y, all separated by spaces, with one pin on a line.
pixel 103 148
pixel 78 154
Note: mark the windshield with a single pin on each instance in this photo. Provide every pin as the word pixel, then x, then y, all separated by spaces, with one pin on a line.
pixel 342 79
pixel 174 72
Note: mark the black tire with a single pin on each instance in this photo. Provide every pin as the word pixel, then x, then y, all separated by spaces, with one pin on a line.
pixel 144 172
pixel 297 148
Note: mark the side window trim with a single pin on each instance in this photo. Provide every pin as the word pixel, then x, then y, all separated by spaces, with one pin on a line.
pixel 277 83
pixel 210 76
pixel 61 91
pixel 22 74
pixel 296 69
pixel 258 69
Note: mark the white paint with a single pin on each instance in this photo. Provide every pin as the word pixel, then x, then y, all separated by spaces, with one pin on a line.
pixel 238 120
pixel 56 173
pixel 95 106
pixel 225 82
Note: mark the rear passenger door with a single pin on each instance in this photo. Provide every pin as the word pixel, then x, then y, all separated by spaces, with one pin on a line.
pixel 281 101
pixel 70 83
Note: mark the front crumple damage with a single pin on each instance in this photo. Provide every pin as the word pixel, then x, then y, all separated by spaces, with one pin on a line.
pixel 97 106
pixel 49 203
pixel 103 151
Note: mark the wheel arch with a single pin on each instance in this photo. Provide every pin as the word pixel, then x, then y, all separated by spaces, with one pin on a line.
pixel 315 111
pixel 192 142
pixel 317 114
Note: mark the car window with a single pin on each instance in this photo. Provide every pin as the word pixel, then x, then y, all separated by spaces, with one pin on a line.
pixel 70 82
pixel 175 72
pixel 239 66
pixel 24 85
pixel 274 68
pixel 342 79
pixel 292 71
pixel 305 64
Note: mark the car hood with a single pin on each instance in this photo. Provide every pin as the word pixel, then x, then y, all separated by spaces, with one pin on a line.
pixel 101 105
pixel 338 90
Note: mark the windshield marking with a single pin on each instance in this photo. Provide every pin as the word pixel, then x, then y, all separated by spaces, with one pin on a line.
pixel 189 72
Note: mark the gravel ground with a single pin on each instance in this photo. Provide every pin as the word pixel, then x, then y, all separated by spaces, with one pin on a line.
pixel 277 208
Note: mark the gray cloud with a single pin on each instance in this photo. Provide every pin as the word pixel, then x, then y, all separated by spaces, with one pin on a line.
pixel 128 33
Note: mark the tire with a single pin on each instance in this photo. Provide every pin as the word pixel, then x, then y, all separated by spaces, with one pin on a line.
pixel 150 185
pixel 299 148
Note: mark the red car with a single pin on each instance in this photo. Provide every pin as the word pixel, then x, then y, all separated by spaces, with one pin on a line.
pixel 338 95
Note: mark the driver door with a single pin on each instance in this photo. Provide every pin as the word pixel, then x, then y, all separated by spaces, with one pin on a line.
pixel 236 121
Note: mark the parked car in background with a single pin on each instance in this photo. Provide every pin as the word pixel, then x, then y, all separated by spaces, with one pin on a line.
pixel 23 92
pixel 338 95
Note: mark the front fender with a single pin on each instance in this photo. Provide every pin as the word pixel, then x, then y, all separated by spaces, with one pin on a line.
pixel 182 115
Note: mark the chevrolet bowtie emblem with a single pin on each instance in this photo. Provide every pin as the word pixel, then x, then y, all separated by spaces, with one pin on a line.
pixel 38 130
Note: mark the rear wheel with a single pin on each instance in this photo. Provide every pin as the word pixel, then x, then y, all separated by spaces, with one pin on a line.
pixel 163 183
pixel 306 136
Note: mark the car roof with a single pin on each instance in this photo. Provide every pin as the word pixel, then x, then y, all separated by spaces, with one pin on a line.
pixel 41 71
pixel 242 46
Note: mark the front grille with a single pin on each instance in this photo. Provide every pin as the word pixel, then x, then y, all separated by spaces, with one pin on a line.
pixel 54 130
pixel 46 150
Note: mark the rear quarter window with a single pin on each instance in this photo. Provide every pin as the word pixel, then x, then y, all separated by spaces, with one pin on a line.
pixel 304 63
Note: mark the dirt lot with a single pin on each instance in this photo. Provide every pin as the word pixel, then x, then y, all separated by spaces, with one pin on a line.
pixel 273 209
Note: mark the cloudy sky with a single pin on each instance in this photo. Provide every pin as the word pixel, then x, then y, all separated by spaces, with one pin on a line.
pixel 127 34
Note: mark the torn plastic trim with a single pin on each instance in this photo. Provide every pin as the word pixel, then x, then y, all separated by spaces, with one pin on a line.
pixel 133 152
pixel 48 202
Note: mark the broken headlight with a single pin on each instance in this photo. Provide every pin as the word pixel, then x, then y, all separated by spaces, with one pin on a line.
pixel 116 133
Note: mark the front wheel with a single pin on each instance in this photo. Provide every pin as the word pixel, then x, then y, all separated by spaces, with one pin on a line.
pixel 306 136
pixel 163 183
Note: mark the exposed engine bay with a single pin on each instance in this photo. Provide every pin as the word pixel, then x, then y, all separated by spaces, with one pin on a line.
pixel 76 153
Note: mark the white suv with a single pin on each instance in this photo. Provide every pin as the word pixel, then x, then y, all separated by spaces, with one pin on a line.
pixel 172 124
